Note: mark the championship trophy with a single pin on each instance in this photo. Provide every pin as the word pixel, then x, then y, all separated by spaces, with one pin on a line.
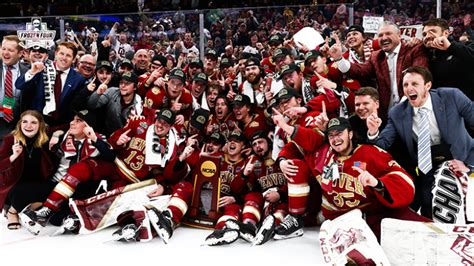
pixel 204 211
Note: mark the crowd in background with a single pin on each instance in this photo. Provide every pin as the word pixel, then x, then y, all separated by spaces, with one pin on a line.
pixel 254 86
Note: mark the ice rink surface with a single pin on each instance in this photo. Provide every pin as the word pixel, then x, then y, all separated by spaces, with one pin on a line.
pixel 19 247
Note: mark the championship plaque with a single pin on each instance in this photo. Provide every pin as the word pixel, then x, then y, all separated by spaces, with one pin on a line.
pixel 203 212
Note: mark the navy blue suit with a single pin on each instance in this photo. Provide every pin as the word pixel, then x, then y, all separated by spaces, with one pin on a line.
pixel 74 82
pixel 451 108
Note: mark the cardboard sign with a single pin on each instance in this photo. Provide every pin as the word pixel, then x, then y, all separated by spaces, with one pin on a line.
pixel 410 32
pixel 371 24
pixel 308 38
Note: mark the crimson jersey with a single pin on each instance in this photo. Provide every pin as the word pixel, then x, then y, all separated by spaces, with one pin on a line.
pixel 266 174
pixel 268 65
pixel 232 184
pixel 346 193
pixel 257 123
pixel 141 87
pixel 225 126
pixel 130 160
pixel 157 98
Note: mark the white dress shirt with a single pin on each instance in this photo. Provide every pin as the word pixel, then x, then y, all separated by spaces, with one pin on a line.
pixel 435 134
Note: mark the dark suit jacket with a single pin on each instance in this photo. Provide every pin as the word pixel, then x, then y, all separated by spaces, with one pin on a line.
pixel 18 108
pixel 451 108
pixel 377 67
pixel 73 83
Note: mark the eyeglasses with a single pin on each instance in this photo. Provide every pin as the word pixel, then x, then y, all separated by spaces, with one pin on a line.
pixel 87 63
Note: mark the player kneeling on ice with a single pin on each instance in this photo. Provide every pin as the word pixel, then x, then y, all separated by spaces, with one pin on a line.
pixel 354 176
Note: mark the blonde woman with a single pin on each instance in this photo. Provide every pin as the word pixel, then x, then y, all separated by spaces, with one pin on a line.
pixel 24 159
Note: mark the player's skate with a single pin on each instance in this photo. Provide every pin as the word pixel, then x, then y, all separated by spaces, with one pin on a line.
pixel 292 226
pixel 266 231
pixel 247 231
pixel 222 237
pixel 162 222
pixel 127 233
pixel 34 221
pixel 70 224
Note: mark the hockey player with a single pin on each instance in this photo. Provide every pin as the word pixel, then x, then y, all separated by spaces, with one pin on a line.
pixel 222 120
pixel 250 122
pixel 173 96
pixel 84 156
pixel 233 188
pixel 353 176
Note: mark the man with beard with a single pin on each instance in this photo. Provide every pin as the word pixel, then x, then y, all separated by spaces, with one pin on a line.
pixel 141 61
pixel 249 122
pixel 255 85
pixel 173 96
pixel 119 104
pixel 233 190
pixel 86 67
pixel 352 176
pixel 222 120
pixel 450 62
pixel 385 65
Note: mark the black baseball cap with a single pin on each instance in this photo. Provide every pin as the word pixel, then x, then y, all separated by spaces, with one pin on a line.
pixel 196 62
pixel 236 135
pixel 160 59
pixel 126 62
pixel 279 52
pixel 199 119
pixel 177 73
pixel 167 115
pixel 275 39
pixel 260 134
pixel 252 61
pixel 286 69
pixel 338 124
pixel 201 77
pixel 87 116
pixel 217 137
pixel 226 62
pixel 104 64
pixel 130 76
pixel 314 54
pixel 211 52
pixel 240 100
pixel 358 28
pixel 287 93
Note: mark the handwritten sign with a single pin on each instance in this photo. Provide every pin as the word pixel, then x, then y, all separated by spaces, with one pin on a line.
pixel 371 24
pixel 410 32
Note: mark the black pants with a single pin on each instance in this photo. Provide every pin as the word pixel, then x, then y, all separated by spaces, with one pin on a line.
pixel 423 196
pixel 25 193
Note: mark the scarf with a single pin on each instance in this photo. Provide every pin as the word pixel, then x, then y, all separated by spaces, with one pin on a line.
pixel 155 152
pixel 88 150
pixel 49 78
pixel 254 95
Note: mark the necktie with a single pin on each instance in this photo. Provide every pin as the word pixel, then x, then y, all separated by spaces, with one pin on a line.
pixel 424 142
pixel 392 66
pixel 57 92
pixel 8 92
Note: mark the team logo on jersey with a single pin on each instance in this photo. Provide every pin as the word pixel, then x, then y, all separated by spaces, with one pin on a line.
pixel 140 130
pixel 254 124
pixel 155 90
pixel 144 125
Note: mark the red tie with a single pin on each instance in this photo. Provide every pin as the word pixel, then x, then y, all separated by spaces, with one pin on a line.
pixel 8 116
pixel 57 90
